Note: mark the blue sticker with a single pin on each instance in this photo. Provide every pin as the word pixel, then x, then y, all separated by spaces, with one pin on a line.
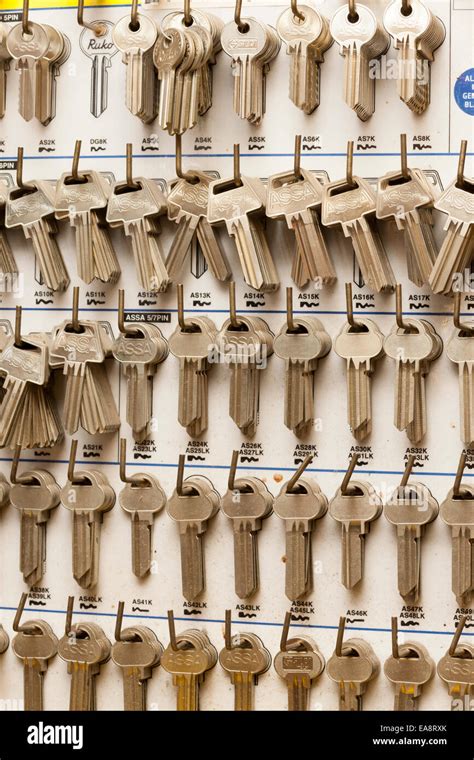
pixel 464 91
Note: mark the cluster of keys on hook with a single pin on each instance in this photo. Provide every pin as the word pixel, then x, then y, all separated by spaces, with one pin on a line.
pixel 169 65
pixel 190 656
pixel 197 205
pixel 247 503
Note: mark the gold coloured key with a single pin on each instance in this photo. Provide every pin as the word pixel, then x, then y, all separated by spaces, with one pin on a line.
pixel 245 659
pixel 456 669
pixel 85 648
pixel 352 666
pixel 299 663
pixel 35 645
pixel 188 658
pixel 136 652
pixel 408 668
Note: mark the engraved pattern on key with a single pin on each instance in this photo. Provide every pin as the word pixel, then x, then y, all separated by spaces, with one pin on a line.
pixel 239 206
pixel 460 350
pixel 137 209
pixel 32 209
pixel 297 199
pixel 101 50
pixel 245 661
pixel 188 664
pixel 299 664
pixel 85 648
pixel 457 248
pixel 5 59
pixel 352 208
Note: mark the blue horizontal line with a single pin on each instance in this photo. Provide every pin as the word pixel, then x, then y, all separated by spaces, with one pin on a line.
pixel 167 310
pixel 238 622
pixel 226 155
pixel 259 468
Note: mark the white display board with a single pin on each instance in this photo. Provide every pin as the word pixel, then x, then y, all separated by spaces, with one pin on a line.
pixel 433 144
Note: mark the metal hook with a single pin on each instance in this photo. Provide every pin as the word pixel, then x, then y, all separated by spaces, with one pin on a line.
pixel 75 161
pixel 395 649
pixel 26 627
pixel 457 315
pixel 290 322
pixel 350 310
pixel 340 636
pixel 242 26
pixel 399 311
pixel 296 13
pixel 14 479
pixel 297 160
pixel 187 176
pixel 233 470
pixel 97 27
pixel 123 462
pixel 18 313
pixel 172 630
pixel 119 635
pixel 181 320
pixel 19 171
pixel 237 174
pixel 352 465
pixel 187 16
pixel 290 486
pixel 235 324
pixel 75 310
pixel 403 156
pixel 24 18
pixel 69 612
pixel 407 473
pixel 129 167
pixel 461 162
pixel 228 630
pixel 134 22
pixel 121 311
pixel 457 636
pixel 285 631
pixel 72 465
pixel 350 163
pixel 459 473
pixel 406 8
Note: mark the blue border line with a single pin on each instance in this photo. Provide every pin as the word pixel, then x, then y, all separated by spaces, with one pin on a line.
pixel 167 310
pixel 238 621
pixel 227 155
pixel 203 466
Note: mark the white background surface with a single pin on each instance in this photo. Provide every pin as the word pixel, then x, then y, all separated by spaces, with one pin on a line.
pixel 444 125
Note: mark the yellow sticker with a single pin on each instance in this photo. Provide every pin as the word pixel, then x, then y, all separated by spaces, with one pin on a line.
pixel 17 5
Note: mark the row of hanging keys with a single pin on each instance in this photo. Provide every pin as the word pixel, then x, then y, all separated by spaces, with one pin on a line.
pixel 80 348
pixel 182 51
pixel 247 502
pixel 197 205
pixel 190 656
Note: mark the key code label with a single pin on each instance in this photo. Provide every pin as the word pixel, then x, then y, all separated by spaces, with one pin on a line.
pixel 464 92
